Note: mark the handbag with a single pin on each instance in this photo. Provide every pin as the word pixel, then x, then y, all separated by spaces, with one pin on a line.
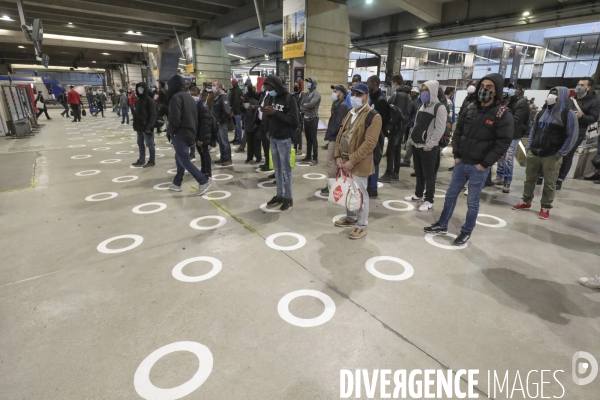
pixel 592 129
pixel 83 113
pixel 292 158
pixel 339 188
pixel 39 104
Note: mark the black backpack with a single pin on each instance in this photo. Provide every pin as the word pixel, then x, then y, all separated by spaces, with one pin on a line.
pixel 396 118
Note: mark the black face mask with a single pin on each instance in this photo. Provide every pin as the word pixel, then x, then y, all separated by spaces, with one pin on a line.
pixel 296 89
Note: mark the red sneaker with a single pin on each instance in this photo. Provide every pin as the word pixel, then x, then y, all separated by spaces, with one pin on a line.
pixel 544 213
pixel 522 206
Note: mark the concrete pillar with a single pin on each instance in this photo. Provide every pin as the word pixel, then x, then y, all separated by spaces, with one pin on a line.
pixel 212 62
pixel 394 60
pixel 327 49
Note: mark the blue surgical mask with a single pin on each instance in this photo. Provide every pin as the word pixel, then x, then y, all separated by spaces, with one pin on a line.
pixel 511 92
pixel 308 85
pixel 334 96
pixel 356 102
pixel 272 93
pixel 214 89
pixel 425 97
pixel 262 89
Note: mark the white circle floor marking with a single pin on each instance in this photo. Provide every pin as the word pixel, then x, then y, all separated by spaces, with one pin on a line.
pixel 174 171
pixel 137 240
pixel 271 241
pixel 337 217
pixel 264 207
pixel 221 177
pixel 286 315
pixel 137 209
pixel 321 196
pixel 303 163
pixel 111 161
pixel 429 238
pixel 114 142
pixel 440 195
pixel 318 176
pixel 408 269
pixel 75 138
pixel 194 223
pixel 262 185
pixel 180 276
pixel 135 145
pixel 125 152
pixel 94 140
pixel 158 155
pixel 127 178
pixel 260 170
pixel 88 172
pixel 501 223
pixel 101 148
pixel 145 388
pixel 162 186
pixel 379 184
pixel 208 196
pixel 222 166
pixel 75 146
pixel 409 206
pixel 163 148
pixel 111 195
pixel 89 134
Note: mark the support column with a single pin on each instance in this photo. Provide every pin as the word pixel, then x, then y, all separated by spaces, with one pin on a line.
pixel 394 60
pixel 212 62
pixel 327 49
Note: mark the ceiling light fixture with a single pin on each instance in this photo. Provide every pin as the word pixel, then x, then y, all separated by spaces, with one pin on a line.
pixel 94 62
pixel 21 47
pixel 231 36
pixel 6 18
pixel 92 40
pixel 369 1
pixel 420 30
pixel 526 14
pixel 235 55
pixel 105 54
pixel 70 23
pixel 512 42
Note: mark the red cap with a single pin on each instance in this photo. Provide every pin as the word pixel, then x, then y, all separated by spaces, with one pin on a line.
pixel 234 80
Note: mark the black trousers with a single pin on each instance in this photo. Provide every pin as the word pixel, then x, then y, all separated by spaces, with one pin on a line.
pixel 310 131
pixel 424 163
pixel 393 151
pixel 43 110
pixel 266 145
pixel 76 112
pixel 204 153
pixel 253 143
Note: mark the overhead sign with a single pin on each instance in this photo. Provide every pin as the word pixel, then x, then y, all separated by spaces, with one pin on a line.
pixel 504 61
pixel 188 49
pixel 294 28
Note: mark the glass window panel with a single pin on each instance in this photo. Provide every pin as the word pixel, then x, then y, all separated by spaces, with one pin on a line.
pixel 587 47
pixel 570 47
pixel 482 53
pixel 496 52
pixel 555 47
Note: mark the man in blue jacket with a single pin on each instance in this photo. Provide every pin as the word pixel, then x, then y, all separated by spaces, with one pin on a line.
pixel 339 109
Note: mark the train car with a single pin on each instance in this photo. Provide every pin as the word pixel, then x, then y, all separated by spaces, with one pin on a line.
pixel 49 87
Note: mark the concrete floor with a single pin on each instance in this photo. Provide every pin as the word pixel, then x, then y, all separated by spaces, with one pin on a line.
pixel 76 323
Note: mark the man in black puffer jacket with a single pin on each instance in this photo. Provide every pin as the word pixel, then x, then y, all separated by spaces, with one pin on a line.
pixel 143 123
pixel 183 124
pixel 482 136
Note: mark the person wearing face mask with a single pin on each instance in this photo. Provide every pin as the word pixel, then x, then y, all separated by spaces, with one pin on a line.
pixel 519 107
pixel 221 111
pixel 339 109
pixel 354 145
pixel 482 136
pixel 356 79
pixel 378 101
pixel 237 109
pixel 132 99
pixel 281 118
pixel 552 137
pixel 143 124
pixel 587 108
pixel 430 125
pixel 299 95
pixel 124 107
pixel 310 108
pixel 203 132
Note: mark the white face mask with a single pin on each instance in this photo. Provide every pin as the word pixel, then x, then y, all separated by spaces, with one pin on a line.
pixel 551 99
pixel 357 102
pixel 334 96
pixel 140 90
pixel 196 98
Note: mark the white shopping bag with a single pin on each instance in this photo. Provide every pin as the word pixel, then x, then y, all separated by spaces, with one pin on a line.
pixel 354 197
pixel 338 188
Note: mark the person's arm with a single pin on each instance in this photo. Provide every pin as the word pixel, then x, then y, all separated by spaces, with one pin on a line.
pixel 572 129
pixel 338 138
pixel 592 115
pixel 440 127
pixel 371 138
pixel 290 117
pixel 530 137
pixel 383 108
pixel 457 136
pixel 404 104
pixel 151 107
pixel 338 117
pixel 175 112
pixel 521 115
pixel 503 138
pixel 226 107
pixel 315 98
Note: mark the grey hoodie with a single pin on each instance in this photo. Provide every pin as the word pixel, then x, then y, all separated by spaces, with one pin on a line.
pixel 312 101
pixel 438 124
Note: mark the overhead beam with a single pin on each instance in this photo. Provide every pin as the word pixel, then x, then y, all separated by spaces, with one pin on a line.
pixel 111 35
pixel 428 10
pixel 241 20
pixel 224 3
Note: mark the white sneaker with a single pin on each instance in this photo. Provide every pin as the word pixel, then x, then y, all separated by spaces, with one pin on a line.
pixel 426 206
pixel 212 149
pixel 203 189
pixel 591 282
pixel 413 198
pixel 192 159
pixel 174 188
pixel 466 193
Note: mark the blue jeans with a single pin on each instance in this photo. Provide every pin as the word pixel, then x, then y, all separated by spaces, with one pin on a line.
pixel 372 182
pixel 148 139
pixel 182 161
pixel 223 139
pixel 461 174
pixel 124 113
pixel 132 109
pixel 281 150
pixel 505 167
pixel 238 127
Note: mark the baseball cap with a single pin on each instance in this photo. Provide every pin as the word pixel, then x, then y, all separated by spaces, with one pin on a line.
pixel 234 80
pixel 360 87
pixel 340 88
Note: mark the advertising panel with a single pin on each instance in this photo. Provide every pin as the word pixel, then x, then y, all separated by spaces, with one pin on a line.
pixel 294 28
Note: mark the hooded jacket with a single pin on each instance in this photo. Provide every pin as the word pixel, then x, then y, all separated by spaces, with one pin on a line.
pixel 312 101
pixel 123 100
pixel 339 109
pixel 590 106
pixel 482 135
pixel 403 101
pixel 204 132
pixel 235 99
pixel 556 128
pixel 519 106
pixel 286 119
pixel 144 116
pixel 183 117
pixel 429 128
